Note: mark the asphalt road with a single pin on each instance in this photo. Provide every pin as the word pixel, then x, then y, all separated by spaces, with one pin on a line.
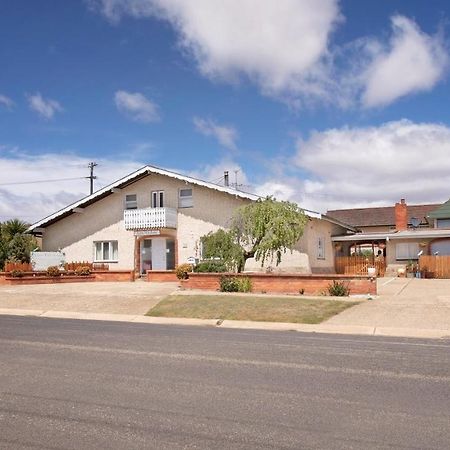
pixel 76 384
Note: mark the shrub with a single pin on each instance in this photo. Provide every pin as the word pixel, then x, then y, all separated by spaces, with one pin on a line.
pixel 182 271
pixel 235 284
pixel 53 271
pixel 338 289
pixel 17 273
pixel 210 266
pixel 82 270
pixel 245 284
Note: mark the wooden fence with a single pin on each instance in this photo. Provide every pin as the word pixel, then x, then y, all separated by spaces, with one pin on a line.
pixel 435 266
pixel 358 265
pixel 23 267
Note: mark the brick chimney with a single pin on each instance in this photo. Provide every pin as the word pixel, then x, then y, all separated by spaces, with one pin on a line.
pixel 401 216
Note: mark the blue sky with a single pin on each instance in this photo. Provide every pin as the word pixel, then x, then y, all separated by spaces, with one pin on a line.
pixel 327 103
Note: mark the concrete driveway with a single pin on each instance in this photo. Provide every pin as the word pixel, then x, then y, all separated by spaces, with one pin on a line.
pixel 97 297
pixel 403 303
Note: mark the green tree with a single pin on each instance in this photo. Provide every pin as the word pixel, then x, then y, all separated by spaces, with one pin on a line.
pixel 15 245
pixel 262 230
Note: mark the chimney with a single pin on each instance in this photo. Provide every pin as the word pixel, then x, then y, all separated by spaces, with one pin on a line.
pixel 401 216
pixel 226 180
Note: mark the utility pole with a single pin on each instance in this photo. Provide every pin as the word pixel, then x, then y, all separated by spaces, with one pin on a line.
pixel 91 177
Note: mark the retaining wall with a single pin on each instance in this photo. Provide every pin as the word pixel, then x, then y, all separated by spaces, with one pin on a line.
pixel 162 276
pixel 286 283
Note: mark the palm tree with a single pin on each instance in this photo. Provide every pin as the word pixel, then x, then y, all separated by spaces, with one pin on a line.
pixel 11 228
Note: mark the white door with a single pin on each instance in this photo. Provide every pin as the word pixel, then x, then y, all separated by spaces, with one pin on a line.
pixel 159 254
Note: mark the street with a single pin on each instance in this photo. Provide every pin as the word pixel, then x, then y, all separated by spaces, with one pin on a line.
pixel 71 384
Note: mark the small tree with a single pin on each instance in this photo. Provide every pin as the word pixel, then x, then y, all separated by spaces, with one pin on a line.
pixel 262 230
pixel 15 245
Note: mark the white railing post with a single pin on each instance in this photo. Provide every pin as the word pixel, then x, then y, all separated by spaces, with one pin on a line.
pixel 150 218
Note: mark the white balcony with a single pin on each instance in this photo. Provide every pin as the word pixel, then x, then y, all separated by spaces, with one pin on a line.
pixel 150 218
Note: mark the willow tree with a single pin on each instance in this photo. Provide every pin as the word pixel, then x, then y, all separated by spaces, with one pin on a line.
pixel 264 230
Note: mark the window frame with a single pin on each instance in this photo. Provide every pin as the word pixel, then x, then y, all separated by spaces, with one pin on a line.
pixel 320 248
pixel 405 255
pixel 133 202
pixel 111 251
pixel 158 196
pixel 182 199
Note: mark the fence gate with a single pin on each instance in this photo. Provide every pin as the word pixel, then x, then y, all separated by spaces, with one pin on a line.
pixel 359 265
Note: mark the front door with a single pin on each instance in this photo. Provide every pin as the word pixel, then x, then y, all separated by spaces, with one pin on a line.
pixel 146 256
pixel 159 255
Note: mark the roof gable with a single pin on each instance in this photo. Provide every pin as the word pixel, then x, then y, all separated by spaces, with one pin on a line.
pixel 443 212
pixel 136 176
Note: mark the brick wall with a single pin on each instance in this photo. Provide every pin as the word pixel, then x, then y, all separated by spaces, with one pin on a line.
pixel 113 275
pixel 286 283
pixel 106 275
pixel 401 216
pixel 162 276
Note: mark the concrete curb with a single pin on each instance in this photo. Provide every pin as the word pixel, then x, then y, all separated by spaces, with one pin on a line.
pixel 238 324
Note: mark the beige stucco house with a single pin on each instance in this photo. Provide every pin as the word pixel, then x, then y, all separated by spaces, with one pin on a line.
pixel 153 219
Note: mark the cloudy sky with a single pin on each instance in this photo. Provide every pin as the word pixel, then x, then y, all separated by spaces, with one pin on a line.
pixel 328 103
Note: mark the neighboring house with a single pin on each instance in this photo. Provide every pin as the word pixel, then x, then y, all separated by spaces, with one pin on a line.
pixel 402 232
pixel 153 219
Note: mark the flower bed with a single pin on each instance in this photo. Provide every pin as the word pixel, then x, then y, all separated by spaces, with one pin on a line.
pixel 315 284
pixel 66 277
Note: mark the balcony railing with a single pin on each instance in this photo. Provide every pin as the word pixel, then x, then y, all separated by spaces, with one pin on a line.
pixel 150 218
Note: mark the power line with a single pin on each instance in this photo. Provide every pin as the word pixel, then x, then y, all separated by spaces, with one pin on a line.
pixel 42 181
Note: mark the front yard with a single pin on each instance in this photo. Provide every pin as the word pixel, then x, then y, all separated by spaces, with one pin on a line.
pixel 262 309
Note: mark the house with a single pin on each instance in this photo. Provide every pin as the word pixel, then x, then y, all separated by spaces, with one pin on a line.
pixel 153 219
pixel 401 232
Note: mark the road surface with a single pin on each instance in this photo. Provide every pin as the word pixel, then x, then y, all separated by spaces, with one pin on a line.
pixel 71 384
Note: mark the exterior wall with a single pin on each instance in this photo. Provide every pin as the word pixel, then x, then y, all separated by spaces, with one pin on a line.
pixel 391 251
pixel 103 221
pixel 304 257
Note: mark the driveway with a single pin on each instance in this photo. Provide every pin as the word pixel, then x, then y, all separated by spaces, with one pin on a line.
pixel 97 297
pixel 403 303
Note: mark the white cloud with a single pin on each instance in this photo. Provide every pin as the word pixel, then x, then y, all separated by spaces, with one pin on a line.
pixel 286 49
pixel 44 107
pixel 6 101
pixel 282 47
pixel 413 61
pixel 136 106
pixel 31 202
pixel 226 135
pixel 374 165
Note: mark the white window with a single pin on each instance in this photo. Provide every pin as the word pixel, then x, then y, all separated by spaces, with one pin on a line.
pixel 443 223
pixel 406 251
pixel 185 198
pixel 157 199
pixel 320 247
pixel 106 251
pixel 131 201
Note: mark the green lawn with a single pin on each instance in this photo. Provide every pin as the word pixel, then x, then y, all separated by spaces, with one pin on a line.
pixel 264 309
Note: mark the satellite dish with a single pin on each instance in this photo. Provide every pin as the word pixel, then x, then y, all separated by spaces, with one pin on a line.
pixel 415 222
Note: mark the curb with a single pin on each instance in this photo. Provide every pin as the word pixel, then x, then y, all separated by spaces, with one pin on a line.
pixel 237 324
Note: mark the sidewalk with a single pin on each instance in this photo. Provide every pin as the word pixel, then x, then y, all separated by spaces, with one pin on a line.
pixel 274 326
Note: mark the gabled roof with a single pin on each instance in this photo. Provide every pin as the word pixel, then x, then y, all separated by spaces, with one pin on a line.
pixel 380 216
pixel 443 212
pixel 136 176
